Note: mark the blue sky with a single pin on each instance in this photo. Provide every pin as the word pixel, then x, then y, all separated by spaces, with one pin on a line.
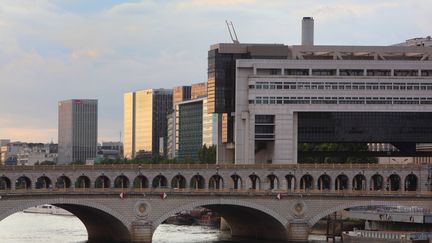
pixel 52 50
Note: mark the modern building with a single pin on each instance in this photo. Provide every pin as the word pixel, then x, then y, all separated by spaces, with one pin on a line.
pixel 145 121
pixel 171 135
pixel 181 93
pixel 109 150
pixel 271 97
pixel 199 90
pixel 77 130
pixel 194 128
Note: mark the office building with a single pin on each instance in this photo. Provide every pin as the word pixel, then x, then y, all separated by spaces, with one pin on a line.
pixel 271 97
pixel 181 93
pixel 77 130
pixel 198 90
pixel 194 128
pixel 145 122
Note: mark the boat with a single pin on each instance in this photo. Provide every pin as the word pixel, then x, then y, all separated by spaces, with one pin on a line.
pixel 210 219
pixel 48 209
pixel 181 219
pixel 367 236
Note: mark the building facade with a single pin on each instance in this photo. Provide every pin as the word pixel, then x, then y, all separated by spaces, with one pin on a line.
pixel 145 122
pixel 195 127
pixel 77 130
pixel 283 102
pixel 180 94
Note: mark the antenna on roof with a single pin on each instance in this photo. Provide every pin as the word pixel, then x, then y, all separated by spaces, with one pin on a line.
pixel 233 38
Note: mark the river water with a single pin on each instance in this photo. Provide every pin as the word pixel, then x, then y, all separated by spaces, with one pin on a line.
pixel 43 228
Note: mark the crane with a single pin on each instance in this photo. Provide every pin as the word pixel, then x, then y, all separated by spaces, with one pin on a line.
pixel 233 34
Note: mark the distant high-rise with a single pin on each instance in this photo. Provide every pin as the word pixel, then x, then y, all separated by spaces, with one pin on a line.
pixel 77 130
pixel 145 121
pixel 180 94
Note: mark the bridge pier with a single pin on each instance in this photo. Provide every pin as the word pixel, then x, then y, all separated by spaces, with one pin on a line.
pixel 298 231
pixel 142 231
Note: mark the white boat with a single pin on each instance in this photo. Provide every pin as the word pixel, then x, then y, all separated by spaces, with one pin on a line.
pixel 48 209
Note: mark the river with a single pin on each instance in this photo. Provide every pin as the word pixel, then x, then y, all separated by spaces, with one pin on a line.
pixel 43 228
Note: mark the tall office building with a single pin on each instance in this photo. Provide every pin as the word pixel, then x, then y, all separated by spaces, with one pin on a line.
pixel 145 121
pixel 181 93
pixel 77 130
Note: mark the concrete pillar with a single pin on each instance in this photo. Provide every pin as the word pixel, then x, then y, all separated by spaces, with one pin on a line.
pixel 285 147
pixel 298 232
pixel 142 231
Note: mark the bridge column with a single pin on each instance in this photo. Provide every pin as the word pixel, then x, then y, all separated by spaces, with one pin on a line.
pixel 298 232
pixel 142 231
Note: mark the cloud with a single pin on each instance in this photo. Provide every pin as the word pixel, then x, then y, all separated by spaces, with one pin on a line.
pixel 83 53
pixel 191 4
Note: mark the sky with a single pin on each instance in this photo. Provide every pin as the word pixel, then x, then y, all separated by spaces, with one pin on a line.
pixel 53 50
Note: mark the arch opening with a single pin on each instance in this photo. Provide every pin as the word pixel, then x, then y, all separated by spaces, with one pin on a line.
pixel 100 224
pixel 236 182
pixel 324 182
pixel 291 182
pixel 242 220
pixel 255 182
pixel 121 181
pixel 197 182
pixel 341 182
pixel 273 182
pixel 393 183
pixel 5 183
pixel 216 182
pixel 140 182
pixel 359 182
pixel 160 181
pixel 377 183
pixel 411 182
pixel 306 182
pixel 102 182
pixel 178 181
pixel 23 183
pixel 43 182
pixel 82 182
pixel 63 182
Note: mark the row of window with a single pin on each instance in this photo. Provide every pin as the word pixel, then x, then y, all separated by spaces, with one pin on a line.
pixel 340 86
pixel 343 72
pixel 342 100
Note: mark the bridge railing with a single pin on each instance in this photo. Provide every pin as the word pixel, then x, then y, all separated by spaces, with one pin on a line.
pixel 206 166
pixel 210 191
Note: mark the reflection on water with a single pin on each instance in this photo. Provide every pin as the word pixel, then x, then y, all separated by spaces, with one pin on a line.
pixel 42 228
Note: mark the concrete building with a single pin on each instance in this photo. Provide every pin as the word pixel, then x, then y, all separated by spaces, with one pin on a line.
pixel 145 121
pixel 270 97
pixel 28 153
pixel 77 130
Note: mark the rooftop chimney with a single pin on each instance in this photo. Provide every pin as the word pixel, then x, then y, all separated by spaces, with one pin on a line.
pixel 307 31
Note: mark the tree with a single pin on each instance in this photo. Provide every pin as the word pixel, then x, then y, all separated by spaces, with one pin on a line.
pixel 207 155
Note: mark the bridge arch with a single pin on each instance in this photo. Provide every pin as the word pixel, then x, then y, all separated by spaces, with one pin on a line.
pixel 411 182
pixel 357 203
pixel 101 222
pixel 237 182
pixel 241 216
pixel 5 183
pixel 273 182
pixel 121 181
pixel 82 182
pixel 140 182
pixel 341 182
pixel 63 182
pixel 178 181
pixel 43 182
pixel 291 182
pixel 102 182
pixel 216 182
pixel 23 182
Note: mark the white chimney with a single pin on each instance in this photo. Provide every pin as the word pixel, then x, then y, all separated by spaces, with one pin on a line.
pixel 307 31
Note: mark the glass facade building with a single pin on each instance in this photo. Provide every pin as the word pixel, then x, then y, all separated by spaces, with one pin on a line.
pixel 77 130
pixel 145 121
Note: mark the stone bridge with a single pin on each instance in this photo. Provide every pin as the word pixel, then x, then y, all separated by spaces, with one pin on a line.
pixel 277 202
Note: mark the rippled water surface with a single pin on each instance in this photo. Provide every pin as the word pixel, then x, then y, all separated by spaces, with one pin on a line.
pixel 42 228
